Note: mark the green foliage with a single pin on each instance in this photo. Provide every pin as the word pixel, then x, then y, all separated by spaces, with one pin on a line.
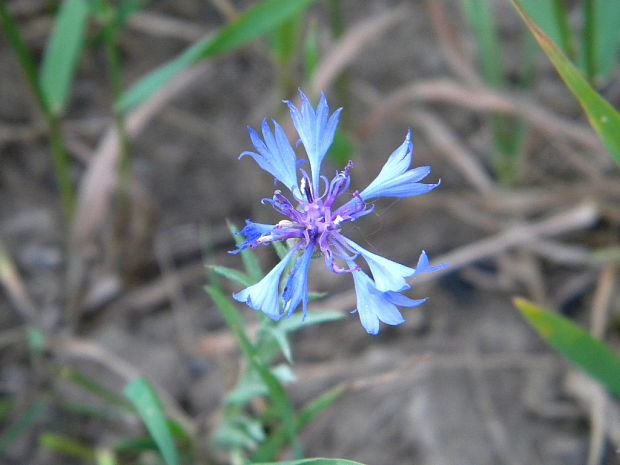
pixel 508 132
pixel 63 52
pixel 314 461
pixel 67 446
pixel 263 18
pixel 21 425
pixel 149 407
pixel 234 275
pixel 552 17
pixel 605 37
pixel 602 116
pixel 588 353
pixel 240 432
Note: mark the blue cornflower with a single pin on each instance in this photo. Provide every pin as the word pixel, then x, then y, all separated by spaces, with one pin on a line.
pixel 316 223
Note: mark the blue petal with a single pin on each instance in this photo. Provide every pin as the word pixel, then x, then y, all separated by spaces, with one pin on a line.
pixel 252 232
pixel 402 300
pixel 424 265
pixel 374 306
pixel 388 275
pixel 402 186
pixel 315 130
pixel 296 289
pixel 275 155
pixel 394 180
pixel 264 295
pixel 396 164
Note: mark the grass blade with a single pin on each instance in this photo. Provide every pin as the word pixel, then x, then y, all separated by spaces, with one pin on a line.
pixel 63 53
pixel 480 16
pixel 280 438
pixel 551 16
pixel 26 61
pixel 30 417
pixel 588 353
pixel 149 407
pixel 261 19
pixel 602 116
pixel 232 274
pixel 606 37
pixel 314 461
pixel 67 446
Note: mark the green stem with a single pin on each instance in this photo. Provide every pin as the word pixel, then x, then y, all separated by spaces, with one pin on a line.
pixel 62 165
pixel 116 82
pixel 59 152
pixel 277 392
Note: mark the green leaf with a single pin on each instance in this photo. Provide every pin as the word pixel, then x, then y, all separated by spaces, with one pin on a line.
pixel 67 446
pixel 63 53
pixel 588 353
pixel 232 274
pixel 552 17
pixel 297 321
pixel 480 15
pixel 240 431
pixel 15 431
pixel 606 36
pixel 315 461
pixel 261 19
pixel 285 39
pixel 279 438
pixel 602 116
pixel 149 407
pixel 94 387
pixel 279 336
pixel 11 29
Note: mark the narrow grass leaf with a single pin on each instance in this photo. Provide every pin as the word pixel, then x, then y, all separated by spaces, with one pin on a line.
pixel 480 16
pixel 315 461
pixel 15 431
pixel 94 388
pixel 298 321
pixel 232 274
pixel 590 354
pixel 63 52
pixel 259 20
pixel 285 39
pixel 606 36
pixel 552 17
pixel 67 446
pixel 10 28
pixel 602 116
pixel 149 407
pixel 270 449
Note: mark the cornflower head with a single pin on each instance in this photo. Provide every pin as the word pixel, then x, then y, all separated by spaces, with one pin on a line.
pixel 315 221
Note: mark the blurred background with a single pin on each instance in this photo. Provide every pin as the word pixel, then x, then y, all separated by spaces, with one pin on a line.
pixel 120 127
